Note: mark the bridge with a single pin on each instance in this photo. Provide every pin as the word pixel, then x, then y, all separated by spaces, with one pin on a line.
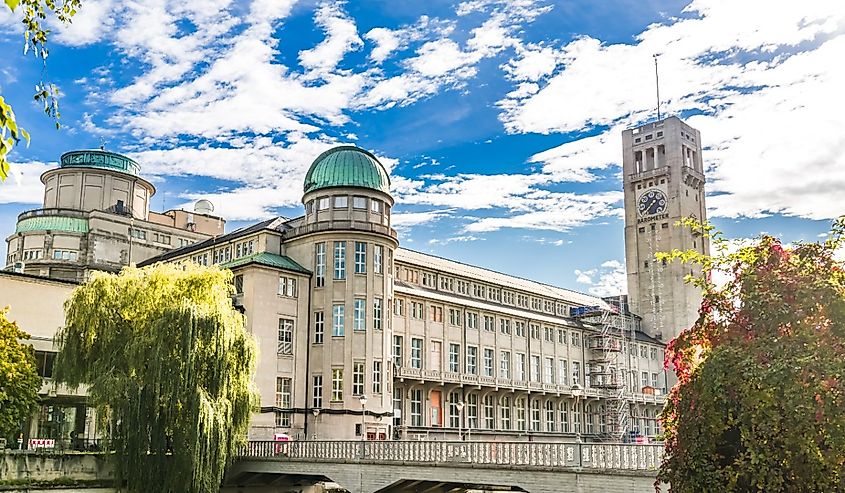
pixel 445 466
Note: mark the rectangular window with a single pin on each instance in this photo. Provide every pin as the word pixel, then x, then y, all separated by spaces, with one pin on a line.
pixel 283 402
pixel 454 317
pixel 360 257
pixel 416 353
pixel 340 260
pixel 320 264
pixel 488 362
pixel 454 415
pixel 550 415
pixel 576 339
pixel 535 368
pixel 489 323
pixel 563 409
pixel 562 372
pixel 519 370
pixel 472 320
pixel 652 352
pixel 377 313
pixel 341 202
pixel 397 351
pixel 549 370
pixel 318 392
pixel 506 413
pixel 359 202
pixel 322 203
pixel 561 336
pixel 472 411
pixel 520 413
pixel 576 373
pixel 285 336
pixel 239 284
pixel 505 326
pixel 535 331
pixel 375 206
pixel 377 377
pixel 416 407
pixel 472 360
pixel 436 313
pixel 338 318
pixel 358 378
pixel 359 315
pixel 489 417
pixel 654 380
pixel 399 307
pixel 378 256
pixel 454 358
pixel 337 384
pixel 519 328
pixel 417 310
pixel 645 379
pixel 505 365
pixel 319 327
pixel 287 286
pixel 44 363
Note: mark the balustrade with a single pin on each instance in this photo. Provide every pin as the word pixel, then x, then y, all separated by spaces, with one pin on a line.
pixel 518 454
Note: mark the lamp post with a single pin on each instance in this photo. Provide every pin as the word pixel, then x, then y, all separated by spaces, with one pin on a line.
pixel 363 400
pixel 577 392
pixel 316 412
pixel 460 407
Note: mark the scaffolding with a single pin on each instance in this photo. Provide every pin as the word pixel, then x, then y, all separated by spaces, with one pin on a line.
pixel 606 365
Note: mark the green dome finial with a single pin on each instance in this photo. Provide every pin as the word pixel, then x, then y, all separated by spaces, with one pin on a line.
pixel 347 166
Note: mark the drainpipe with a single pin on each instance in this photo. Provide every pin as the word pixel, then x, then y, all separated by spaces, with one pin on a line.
pixel 307 361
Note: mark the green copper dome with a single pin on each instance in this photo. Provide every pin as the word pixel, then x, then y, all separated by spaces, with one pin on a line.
pixel 346 166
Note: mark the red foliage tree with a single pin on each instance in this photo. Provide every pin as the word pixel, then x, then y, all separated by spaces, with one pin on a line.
pixel 760 399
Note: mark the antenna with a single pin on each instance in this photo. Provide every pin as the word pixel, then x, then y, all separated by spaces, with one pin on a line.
pixel 657 84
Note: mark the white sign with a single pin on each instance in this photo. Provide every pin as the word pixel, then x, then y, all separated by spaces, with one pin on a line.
pixel 35 443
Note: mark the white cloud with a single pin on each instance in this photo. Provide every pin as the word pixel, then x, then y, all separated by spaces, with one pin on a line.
pixel 759 78
pixel 90 24
pixel 24 183
pixel 341 38
pixel 454 239
pixel 607 280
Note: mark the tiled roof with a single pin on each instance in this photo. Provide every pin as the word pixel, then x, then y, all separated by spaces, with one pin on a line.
pixel 52 223
pixel 346 166
pixel 472 272
pixel 268 259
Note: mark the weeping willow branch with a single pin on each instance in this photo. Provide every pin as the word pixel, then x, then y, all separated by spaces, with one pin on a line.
pixel 169 365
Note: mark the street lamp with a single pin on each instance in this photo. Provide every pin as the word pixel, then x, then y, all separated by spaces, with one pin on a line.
pixel 577 392
pixel 363 400
pixel 460 407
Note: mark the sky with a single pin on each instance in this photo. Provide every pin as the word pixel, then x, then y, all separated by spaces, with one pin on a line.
pixel 500 121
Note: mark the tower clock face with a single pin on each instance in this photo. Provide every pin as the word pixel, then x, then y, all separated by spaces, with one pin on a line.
pixel 652 202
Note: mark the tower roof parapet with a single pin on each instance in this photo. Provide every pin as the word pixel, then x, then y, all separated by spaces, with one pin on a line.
pixel 100 159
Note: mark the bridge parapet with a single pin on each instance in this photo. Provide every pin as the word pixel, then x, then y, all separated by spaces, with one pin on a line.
pixel 516 455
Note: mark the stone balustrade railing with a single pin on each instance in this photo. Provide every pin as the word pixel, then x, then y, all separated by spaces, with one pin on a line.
pixel 617 456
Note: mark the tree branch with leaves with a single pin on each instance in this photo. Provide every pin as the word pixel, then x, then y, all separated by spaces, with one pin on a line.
pixel 35 14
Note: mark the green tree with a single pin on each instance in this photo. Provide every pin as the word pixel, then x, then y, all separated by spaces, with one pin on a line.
pixel 169 365
pixel 35 39
pixel 759 404
pixel 19 381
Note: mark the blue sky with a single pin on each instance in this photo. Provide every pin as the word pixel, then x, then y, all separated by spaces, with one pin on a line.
pixel 500 121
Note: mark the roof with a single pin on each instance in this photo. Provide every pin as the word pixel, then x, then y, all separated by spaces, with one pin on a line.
pixel 267 259
pixel 273 224
pixel 52 223
pixel 347 166
pixel 99 158
pixel 493 277
pixel 36 277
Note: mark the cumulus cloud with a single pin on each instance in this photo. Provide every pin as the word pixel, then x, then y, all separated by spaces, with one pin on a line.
pixel 757 79
pixel 607 280
pixel 24 183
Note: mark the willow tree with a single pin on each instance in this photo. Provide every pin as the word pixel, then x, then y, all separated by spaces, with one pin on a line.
pixel 760 399
pixel 169 366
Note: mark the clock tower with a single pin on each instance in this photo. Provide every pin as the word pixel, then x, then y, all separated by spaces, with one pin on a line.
pixel 664 181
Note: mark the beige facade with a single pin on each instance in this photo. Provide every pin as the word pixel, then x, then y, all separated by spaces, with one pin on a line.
pixel 664 182
pixel 36 304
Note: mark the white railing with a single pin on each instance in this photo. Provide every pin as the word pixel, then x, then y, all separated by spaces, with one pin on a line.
pixel 617 456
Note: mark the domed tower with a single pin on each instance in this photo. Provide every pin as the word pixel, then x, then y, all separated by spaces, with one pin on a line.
pixel 346 234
